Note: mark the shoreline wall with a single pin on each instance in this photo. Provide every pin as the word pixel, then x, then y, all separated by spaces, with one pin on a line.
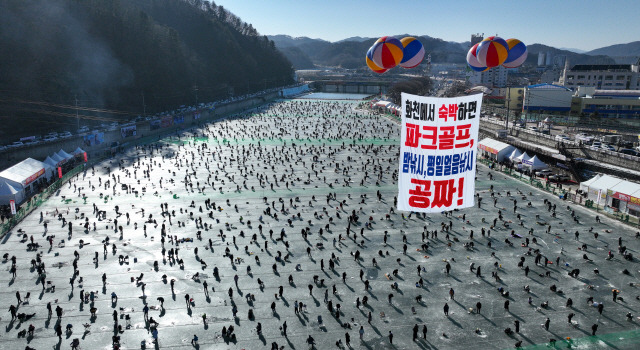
pixel 40 151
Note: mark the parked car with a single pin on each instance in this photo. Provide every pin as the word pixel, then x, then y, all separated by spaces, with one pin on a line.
pixel 534 128
pixel 629 151
pixel 562 138
pixel 584 138
pixel 544 172
pixel 604 146
pixel 83 129
pixel 15 144
pixel 50 138
pixel 65 135
pixel 2 148
pixel 559 178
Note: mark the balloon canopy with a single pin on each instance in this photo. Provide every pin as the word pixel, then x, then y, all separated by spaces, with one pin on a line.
pixel 492 51
pixel 413 52
pixel 517 53
pixel 374 67
pixel 472 60
pixel 387 52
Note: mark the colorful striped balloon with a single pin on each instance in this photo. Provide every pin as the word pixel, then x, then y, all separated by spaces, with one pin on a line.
pixel 472 60
pixel 412 52
pixel 492 51
pixel 374 67
pixel 517 53
pixel 386 52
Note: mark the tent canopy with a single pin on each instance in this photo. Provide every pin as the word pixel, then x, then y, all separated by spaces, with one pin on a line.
pixel 57 158
pixel 605 182
pixel 64 154
pixel 9 192
pixel 22 172
pixel 493 146
pixel 626 187
pixel 534 163
pixel 78 151
pixel 521 158
pixel 7 189
pixel 51 162
pixel 515 154
pixel 600 182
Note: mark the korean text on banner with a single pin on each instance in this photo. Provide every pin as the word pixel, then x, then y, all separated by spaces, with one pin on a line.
pixel 12 204
pixel 437 152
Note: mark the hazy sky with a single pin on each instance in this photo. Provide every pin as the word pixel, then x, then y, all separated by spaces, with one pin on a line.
pixel 581 24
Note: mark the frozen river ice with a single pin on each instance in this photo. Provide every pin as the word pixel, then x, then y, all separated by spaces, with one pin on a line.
pixel 272 190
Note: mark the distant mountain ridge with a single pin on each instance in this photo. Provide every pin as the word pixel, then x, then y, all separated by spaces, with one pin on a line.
pixel 349 52
pixel 282 40
pixel 572 49
pixel 622 53
pixel 628 49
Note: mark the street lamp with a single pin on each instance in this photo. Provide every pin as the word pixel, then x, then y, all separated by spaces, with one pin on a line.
pixel 508 106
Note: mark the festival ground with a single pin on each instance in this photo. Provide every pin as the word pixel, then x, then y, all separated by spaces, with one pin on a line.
pixel 234 163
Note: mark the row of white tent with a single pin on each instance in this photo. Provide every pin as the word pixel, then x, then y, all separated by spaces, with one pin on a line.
pixel 531 163
pixel 601 186
pixel 393 108
pixel 18 179
pixel 501 151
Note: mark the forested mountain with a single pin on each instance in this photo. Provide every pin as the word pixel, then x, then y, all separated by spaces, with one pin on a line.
pixel 113 53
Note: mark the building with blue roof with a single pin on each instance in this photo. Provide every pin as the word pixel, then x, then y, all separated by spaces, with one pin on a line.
pixel 547 98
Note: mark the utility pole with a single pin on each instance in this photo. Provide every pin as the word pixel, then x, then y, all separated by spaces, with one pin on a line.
pixel 526 117
pixel 508 106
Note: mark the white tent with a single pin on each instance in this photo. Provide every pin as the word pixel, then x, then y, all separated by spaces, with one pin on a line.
pixel 534 163
pixel 49 170
pixel 78 151
pixel 23 174
pixel 599 186
pixel 64 154
pixel 623 196
pixel 8 192
pixel 584 186
pixel 626 187
pixel 521 158
pixel 494 149
pixel 51 162
pixel 515 154
pixel 58 159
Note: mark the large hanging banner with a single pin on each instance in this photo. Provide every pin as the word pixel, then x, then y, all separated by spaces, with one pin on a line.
pixel 437 153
